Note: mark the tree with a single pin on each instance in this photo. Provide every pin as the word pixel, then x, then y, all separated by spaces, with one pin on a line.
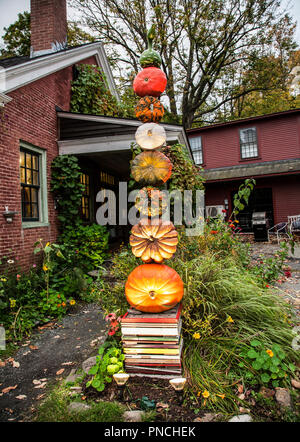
pixel 200 42
pixel 17 37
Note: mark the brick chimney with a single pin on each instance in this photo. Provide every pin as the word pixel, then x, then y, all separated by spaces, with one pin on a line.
pixel 48 26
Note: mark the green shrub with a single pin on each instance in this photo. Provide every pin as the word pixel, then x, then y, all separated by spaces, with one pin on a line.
pixel 85 247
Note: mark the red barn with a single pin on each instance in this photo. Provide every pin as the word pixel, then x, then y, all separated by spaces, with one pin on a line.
pixel 266 148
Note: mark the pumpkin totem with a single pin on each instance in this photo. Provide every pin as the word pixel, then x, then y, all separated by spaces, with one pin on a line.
pixel 153 286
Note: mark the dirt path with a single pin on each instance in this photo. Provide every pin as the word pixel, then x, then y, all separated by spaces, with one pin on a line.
pixel 50 351
pixel 289 288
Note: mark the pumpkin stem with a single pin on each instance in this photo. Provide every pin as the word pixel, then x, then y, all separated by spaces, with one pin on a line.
pixel 151 36
pixel 152 294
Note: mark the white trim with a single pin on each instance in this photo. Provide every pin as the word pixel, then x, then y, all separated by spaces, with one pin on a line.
pixel 4 99
pixel 173 132
pixel 39 67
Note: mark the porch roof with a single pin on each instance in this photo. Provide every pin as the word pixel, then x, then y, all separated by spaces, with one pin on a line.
pixel 106 140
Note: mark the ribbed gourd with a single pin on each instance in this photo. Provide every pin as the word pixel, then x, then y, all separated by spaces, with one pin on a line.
pixel 151 167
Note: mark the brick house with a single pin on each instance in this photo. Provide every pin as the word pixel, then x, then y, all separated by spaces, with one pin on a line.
pixel 37 125
pixel 266 148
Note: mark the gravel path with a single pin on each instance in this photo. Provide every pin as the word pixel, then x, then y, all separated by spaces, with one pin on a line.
pixel 49 356
pixel 289 288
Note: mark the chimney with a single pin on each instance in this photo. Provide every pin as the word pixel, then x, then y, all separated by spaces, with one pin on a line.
pixel 48 24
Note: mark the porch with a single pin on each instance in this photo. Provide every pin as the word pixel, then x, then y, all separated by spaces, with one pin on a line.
pixel 103 147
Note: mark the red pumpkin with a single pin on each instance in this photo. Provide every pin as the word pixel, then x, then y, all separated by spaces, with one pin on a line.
pixel 153 288
pixel 150 81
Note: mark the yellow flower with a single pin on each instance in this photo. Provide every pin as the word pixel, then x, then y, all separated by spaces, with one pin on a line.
pixel 236 221
pixel 270 353
pixel 45 268
pixel 48 244
pixel 12 303
pixel 205 394
pixel 3 279
pixel 229 319
pixel 222 396
pixel 72 302
pixel 196 335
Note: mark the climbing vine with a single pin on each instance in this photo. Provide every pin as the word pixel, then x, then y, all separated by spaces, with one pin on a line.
pixel 67 189
pixel 91 95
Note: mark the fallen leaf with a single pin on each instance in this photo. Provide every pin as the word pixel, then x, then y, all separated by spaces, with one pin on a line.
pixel 60 371
pixel 33 347
pixel 16 364
pixel 67 363
pixel 36 381
pixel 240 388
pixel 21 396
pixel 2 364
pixel 9 410
pixel 7 389
pixel 40 396
pixel 41 385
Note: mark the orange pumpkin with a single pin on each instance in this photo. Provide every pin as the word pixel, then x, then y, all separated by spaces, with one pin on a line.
pixel 150 202
pixel 150 81
pixel 153 288
pixel 149 109
pixel 153 240
pixel 151 167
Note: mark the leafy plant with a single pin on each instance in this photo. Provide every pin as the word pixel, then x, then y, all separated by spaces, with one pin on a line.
pixel 67 190
pixel 241 198
pixel 268 364
pixel 108 362
pixel 269 269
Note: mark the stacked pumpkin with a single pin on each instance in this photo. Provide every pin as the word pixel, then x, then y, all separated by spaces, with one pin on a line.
pixel 153 286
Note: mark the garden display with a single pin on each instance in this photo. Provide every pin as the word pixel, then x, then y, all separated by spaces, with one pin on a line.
pixel 152 287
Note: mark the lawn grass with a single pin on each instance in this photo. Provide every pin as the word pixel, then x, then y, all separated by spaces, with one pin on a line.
pixel 55 409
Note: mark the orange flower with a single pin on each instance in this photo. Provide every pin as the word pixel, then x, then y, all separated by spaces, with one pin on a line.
pixel 58 305
pixel 270 353
pixel 63 304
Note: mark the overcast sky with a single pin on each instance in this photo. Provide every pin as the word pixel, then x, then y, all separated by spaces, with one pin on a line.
pixel 9 10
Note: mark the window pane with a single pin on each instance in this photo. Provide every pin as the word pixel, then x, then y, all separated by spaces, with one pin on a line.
pixel 22 173
pixel 248 143
pixel 28 176
pixel 34 195
pixel 35 162
pixel 28 160
pixel 35 177
pixel 22 159
pixel 196 146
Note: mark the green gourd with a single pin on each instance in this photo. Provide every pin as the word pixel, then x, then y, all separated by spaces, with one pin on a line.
pixel 150 57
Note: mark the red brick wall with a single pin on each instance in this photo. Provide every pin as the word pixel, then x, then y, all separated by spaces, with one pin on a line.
pixel 30 117
pixel 278 139
pixel 48 23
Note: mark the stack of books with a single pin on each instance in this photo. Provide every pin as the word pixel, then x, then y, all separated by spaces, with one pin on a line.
pixel 152 343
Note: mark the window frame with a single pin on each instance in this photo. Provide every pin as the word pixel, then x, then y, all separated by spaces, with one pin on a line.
pixel 245 158
pixel 197 150
pixel 86 197
pixel 42 200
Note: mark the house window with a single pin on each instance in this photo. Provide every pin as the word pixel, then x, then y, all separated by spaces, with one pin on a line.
pixel 85 199
pixel 106 178
pixel 196 146
pixel 248 143
pixel 30 185
pixel 33 180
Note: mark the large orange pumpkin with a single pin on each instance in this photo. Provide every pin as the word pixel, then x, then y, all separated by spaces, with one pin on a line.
pixel 151 168
pixel 150 202
pixel 150 81
pixel 149 109
pixel 153 240
pixel 153 288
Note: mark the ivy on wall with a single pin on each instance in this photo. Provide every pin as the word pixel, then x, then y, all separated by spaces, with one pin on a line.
pixel 67 190
pixel 91 95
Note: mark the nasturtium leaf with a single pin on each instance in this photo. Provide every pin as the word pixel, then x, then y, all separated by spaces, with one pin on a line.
pixel 265 378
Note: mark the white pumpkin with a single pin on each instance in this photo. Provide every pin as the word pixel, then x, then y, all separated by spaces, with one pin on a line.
pixel 150 136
